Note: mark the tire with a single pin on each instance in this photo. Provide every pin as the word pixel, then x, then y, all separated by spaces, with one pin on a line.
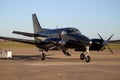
pixel 87 59
pixel 43 56
pixel 82 56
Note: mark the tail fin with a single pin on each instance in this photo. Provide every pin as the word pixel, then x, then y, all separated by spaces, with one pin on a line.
pixel 36 25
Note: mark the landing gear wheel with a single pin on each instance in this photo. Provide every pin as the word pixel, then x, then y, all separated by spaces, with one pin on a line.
pixel 82 56
pixel 87 58
pixel 43 56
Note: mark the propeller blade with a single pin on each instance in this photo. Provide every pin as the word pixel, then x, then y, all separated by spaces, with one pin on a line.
pixel 100 36
pixel 106 42
pixel 110 37
pixel 110 49
pixel 61 41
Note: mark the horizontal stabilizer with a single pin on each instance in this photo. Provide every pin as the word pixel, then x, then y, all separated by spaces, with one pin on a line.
pixel 28 34
pixel 25 34
pixel 18 40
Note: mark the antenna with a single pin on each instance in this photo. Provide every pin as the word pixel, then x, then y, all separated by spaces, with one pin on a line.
pixel 57 26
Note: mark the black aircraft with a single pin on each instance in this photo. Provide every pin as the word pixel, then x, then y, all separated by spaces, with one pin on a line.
pixel 55 39
pixel 60 39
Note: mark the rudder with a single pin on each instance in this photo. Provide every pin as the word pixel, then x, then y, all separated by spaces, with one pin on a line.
pixel 36 25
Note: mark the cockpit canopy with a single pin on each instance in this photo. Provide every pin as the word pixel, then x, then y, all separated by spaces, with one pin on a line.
pixel 72 30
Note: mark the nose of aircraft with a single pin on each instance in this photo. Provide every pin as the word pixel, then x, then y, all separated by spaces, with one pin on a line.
pixel 85 40
pixel 82 39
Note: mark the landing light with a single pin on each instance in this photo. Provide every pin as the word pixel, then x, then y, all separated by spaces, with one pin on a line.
pixel 90 42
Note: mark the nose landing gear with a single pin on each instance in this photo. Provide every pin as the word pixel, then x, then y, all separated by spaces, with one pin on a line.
pixel 86 56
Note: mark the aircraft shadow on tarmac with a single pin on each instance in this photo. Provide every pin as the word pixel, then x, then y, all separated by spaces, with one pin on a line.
pixel 30 57
pixel 25 57
pixel 37 57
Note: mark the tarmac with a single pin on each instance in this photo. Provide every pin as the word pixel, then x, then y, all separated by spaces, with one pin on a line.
pixel 26 65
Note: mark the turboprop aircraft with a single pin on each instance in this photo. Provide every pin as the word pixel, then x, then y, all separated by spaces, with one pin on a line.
pixel 59 39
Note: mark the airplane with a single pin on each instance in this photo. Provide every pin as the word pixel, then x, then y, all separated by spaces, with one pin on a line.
pixel 60 39
pixel 55 39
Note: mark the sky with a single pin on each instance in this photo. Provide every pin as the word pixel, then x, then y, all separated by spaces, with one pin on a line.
pixel 89 16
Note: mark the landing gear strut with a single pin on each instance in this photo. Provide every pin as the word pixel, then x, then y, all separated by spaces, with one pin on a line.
pixel 42 55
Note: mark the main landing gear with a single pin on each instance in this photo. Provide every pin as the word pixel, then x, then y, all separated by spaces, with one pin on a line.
pixel 86 56
pixel 42 55
pixel 66 52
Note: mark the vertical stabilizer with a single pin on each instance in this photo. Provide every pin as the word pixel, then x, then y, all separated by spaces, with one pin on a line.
pixel 36 25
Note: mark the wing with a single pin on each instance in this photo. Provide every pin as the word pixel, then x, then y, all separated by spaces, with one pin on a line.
pixel 18 40
pixel 48 44
pixel 114 41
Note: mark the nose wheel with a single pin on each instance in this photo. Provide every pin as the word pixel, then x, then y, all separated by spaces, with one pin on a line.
pixel 86 56
pixel 82 56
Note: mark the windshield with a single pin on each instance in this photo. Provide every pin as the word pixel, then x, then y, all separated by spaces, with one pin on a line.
pixel 73 31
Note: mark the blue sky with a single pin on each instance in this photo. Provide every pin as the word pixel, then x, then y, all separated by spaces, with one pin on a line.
pixel 89 16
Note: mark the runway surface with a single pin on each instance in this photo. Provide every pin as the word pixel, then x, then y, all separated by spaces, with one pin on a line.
pixel 26 65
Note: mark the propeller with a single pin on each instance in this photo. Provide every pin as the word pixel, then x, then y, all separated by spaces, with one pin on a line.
pixel 61 41
pixel 55 42
pixel 106 42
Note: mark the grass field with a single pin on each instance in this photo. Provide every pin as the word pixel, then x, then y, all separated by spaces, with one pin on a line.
pixel 10 44
pixel 114 46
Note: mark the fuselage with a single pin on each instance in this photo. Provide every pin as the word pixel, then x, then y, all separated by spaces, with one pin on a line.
pixel 72 37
